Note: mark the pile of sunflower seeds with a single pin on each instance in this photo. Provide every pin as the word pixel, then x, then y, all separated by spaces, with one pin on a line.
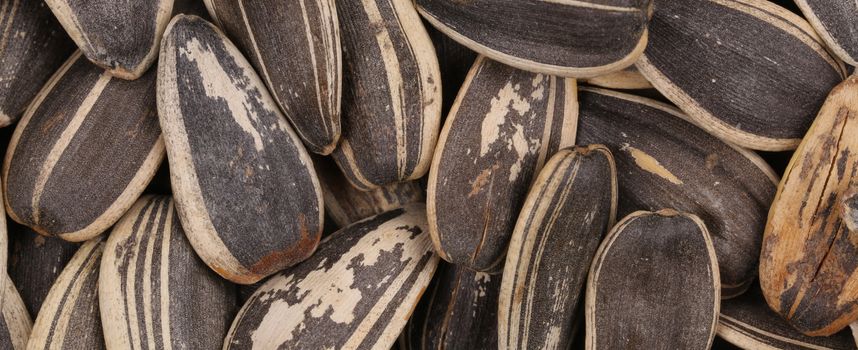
pixel 429 174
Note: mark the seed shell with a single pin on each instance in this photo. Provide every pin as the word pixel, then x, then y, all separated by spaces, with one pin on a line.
pixel 654 285
pixel 664 161
pixel 834 20
pixel 570 207
pixel 16 324
pixel 244 185
pixel 501 129
pixel 747 71
pixel 391 103
pixel 295 46
pixel 359 288
pixel 73 134
pixel 150 275
pixel 35 262
pixel 626 79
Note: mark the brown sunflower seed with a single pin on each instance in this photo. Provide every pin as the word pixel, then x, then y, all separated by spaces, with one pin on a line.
pixel 664 161
pixel 747 71
pixel 34 46
pixel 295 46
pixel 808 266
pixel 570 207
pixel 626 79
pixel 567 38
pixel 391 108
pixel 150 274
pixel 360 288
pixel 120 36
pixel 654 285
pixel 501 129
pixel 70 318
pixel 35 262
pixel 245 187
pixel 16 324
pixel 73 134
pixel 834 20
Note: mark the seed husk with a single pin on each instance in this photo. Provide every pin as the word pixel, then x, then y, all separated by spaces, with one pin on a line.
pixel 654 285
pixel 391 103
pixel 34 46
pixel 70 317
pixel 571 205
pixel 73 134
pixel 359 287
pixel 150 273
pixel 664 161
pixel 16 324
pixel 120 36
pixel 834 20
pixel 808 265
pixel 747 71
pixel 244 185
pixel 295 46
pixel 35 262
pixel 501 130
pixel 577 38
pixel 626 79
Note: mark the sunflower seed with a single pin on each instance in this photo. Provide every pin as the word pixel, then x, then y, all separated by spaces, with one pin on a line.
pixel 35 262
pixel 747 71
pixel 571 205
pixel 834 20
pixel 567 38
pixel 295 46
pixel 70 318
pixel 73 134
pixel 245 187
pixel 150 274
pixel 504 124
pixel 626 79
pixel 16 324
pixel 119 36
pixel 654 285
pixel 391 93
pixel 666 162
pixel 808 265
pixel 360 287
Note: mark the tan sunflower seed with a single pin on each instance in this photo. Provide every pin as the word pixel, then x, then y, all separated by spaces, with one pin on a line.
pixel 501 130
pixel 295 46
pixel 16 323
pixel 120 36
pixel 834 20
pixel 654 285
pixel 747 71
pixel 391 107
pixel 244 185
pixel 808 266
pixel 150 274
pixel 34 46
pixel 570 207
pixel 664 161
pixel 360 288
pixel 626 79
pixel 70 317
pixel 35 262
pixel 73 134
pixel 567 38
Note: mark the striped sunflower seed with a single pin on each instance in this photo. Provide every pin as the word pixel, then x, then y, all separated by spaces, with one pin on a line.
pixel 35 263
pixel 501 130
pixel 571 205
pixel 73 134
pixel 359 288
pixel 808 266
pixel 664 161
pixel 16 323
pixel 747 71
pixel 567 38
pixel 834 20
pixel 654 285
pixel 150 274
pixel 244 185
pixel 295 46
pixel 391 108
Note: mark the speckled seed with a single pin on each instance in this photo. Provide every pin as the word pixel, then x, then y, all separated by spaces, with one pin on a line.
pixel 120 36
pixel 295 47
pixel 73 135
pixel 35 262
pixel 834 20
pixel 808 266
pixel 355 292
pixel 15 324
pixel 244 185
pixel 654 285
pixel 501 130
pixel 567 38
pixel 149 275
pixel 664 161
pixel 747 71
